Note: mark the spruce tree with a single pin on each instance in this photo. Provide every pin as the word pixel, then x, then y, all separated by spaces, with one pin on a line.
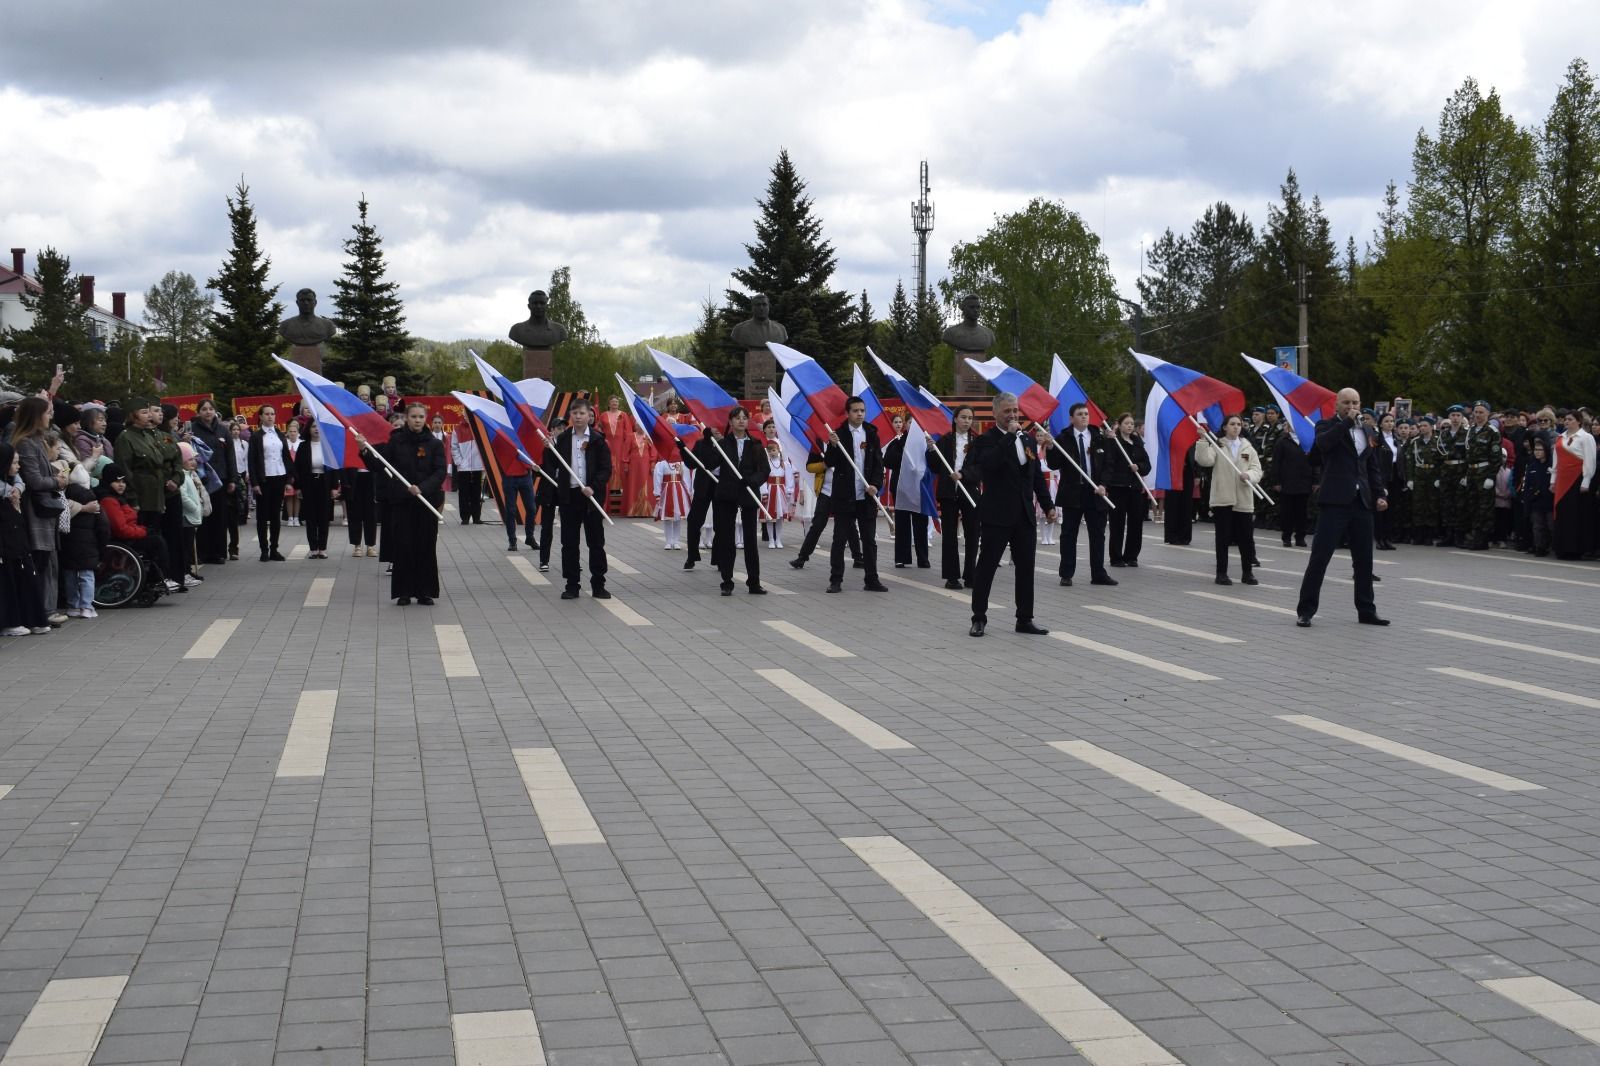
pixel 899 346
pixel 59 334
pixel 712 353
pixel 244 330
pixel 372 341
pixel 791 264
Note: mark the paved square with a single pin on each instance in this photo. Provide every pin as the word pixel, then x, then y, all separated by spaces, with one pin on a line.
pixel 280 820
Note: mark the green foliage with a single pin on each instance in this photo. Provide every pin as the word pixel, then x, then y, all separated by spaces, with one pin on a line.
pixel 371 342
pixel 791 264
pixel 638 361
pixel 712 352
pixel 244 330
pixel 60 333
pixel 1045 286
pixel 583 360
pixel 177 312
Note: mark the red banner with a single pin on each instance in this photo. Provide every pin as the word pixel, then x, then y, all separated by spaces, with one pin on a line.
pixel 187 405
pixel 250 406
pixel 447 406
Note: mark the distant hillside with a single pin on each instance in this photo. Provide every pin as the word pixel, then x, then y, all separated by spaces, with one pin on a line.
pixel 632 355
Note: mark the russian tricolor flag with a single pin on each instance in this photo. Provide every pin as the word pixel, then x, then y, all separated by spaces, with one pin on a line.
pixel 347 411
pixel 707 400
pixel 1193 391
pixel 824 396
pixel 1304 403
pixel 1065 388
pixel 791 434
pixel 525 422
pixel 1171 433
pixel 933 416
pixel 1036 403
pixel 502 438
pixel 875 412
pixel 665 435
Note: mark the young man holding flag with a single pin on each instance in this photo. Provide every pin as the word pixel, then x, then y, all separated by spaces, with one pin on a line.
pixel 855 459
pixel 588 457
pixel 742 469
pixel 1080 498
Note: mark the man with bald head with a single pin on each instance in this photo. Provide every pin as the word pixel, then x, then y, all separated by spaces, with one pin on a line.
pixel 1350 497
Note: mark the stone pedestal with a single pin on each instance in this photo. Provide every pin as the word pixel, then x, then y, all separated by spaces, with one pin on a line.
pixel 308 356
pixel 538 363
pixel 968 381
pixel 760 373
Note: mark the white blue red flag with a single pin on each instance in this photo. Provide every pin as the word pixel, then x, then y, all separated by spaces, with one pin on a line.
pixel 349 414
pixel 859 386
pixel 1065 388
pixel 913 491
pixel 933 416
pixel 825 398
pixel 1303 403
pixel 792 439
pixel 1170 433
pixel 1036 402
pixel 497 424
pixel 665 434
pixel 1193 391
pixel 525 422
pixel 705 399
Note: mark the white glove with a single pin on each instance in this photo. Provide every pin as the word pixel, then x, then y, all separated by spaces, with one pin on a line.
pixel 1435 482
pixel 1410 485
pixel 1463 482
pixel 1488 482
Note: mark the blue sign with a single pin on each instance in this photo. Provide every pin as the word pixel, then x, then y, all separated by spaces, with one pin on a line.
pixel 1287 357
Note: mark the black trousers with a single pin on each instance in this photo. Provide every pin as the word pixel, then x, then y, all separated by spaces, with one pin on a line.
pixel 819 522
pixel 316 509
pixel 724 513
pixel 1020 538
pixel 1292 515
pixel 959 520
pixel 361 509
pixel 268 507
pixel 854 522
pixel 1335 522
pixel 1127 523
pixel 180 547
pixel 547 529
pixel 155 544
pixel 910 535
pixel 413 536
pixel 580 517
pixel 469 495
pixel 699 507
pixel 1234 527
pixel 1094 517
pixel 211 539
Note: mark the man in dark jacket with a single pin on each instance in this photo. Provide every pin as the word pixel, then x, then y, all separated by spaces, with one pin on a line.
pixel 855 459
pixel 742 468
pixel 1008 465
pixel 1082 498
pixel 412 532
pixel 1291 470
pixel 1351 495
pixel 211 540
pixel 587 456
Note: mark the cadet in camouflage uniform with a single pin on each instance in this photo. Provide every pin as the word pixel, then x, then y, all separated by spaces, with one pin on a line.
pixel 1485 456
pixel 1424 462
pixel 1453 478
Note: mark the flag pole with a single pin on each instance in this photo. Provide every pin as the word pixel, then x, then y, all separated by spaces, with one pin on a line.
pixel 550 447
pixel 397 476
pixel 951 471
pixel 1084 473
pixel 872 492
pixel 695 459
pixel 766 516
pixel 1216 445
pixel 1136 475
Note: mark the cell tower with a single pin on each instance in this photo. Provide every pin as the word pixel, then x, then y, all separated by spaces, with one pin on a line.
pixel 921 225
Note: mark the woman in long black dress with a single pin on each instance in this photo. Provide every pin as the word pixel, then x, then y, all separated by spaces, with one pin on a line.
pixel 411 531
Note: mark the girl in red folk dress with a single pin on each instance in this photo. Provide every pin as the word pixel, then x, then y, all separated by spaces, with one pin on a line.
pixel 1052 482
pixel 777 495
pixel 672 501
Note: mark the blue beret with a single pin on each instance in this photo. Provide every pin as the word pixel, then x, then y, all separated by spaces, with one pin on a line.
pixel 1453 408
pixel 1483 404
pixel 1274 408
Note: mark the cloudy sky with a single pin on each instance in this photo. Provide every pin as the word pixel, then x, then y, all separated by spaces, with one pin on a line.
pixel 498 139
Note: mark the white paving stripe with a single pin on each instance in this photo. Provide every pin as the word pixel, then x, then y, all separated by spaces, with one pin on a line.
pixel 1307 551
pixel 5 790
pixel 1559 580
pixel 1170 669
pixel 66 1022
pixel 1301 574
pixel 528 571
pixel 964 596
pixel 1162 623
pixel 1571 627
pixel 1211 575
pixel 562 813
pixel 320 591
pixel 613 563
pixel 305 750
pixel 1520 560
pixel 811 640
pixel 1202 551
pixel 1419 756
pixel 623 613
pixel 1237 819
pixel 1483 591
pixel 1532 649
pixel 1518 686
pixel 455 652
pixel 1100 1034
pixel 853 722
pixel 497 1038
pixel 740 576
pixel 299 551
pixel 212 640
pixel 1242 603
pixel 1561 1005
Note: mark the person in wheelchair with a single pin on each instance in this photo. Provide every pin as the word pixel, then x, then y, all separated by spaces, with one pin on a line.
pixel 125 527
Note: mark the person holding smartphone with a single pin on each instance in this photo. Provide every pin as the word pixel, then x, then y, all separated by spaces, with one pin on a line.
pixel 1350 497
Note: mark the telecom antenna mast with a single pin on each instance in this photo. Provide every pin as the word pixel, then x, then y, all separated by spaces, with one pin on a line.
pixel 922 225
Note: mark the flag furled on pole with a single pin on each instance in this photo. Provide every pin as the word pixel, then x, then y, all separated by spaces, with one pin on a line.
pixel 1303 403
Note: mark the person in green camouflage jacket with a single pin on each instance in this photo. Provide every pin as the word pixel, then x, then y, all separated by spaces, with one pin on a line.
pixel 1424 462
pixel 1453 516
pixel 1485 456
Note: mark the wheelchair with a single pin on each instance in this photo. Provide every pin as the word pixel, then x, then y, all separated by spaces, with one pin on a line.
pixel 125 577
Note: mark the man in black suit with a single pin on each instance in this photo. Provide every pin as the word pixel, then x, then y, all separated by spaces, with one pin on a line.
pixel 1082 499
pixel 1350 496
pixel 854 493
pixel 1008 465
pixel 586 453
pixel 742 468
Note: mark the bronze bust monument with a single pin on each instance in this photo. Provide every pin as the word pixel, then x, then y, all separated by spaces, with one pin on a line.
pixel 969 335
pixel 755 331
pixel 538 331
pixel 307 328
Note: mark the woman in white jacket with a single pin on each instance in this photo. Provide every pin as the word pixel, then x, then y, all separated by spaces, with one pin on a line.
pixel 1233 503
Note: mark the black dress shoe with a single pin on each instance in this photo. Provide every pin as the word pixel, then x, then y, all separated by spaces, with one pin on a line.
pixel 263 556
pixel 727 590
pixel 1223 579
pixel 757 590
pixel 952 584
pixel 275 556
pixel 600 594
pixel 834 587
pixel 976 630
pixel 1066 582
pixel 688 564
pixel 876 586
pixel 403 601
pixel 798 564
pixel 425 601
pixel 1303 621
pixel 1299 542
pixel 1375 577
pixel 924 566
pixel 1119 564
pixel 1372 620
pixel 1249 579
pixel 1134 563
pixel 1103 579
pixel 858 565
pixel 901 566
pixel 569 594
pixel 1031 629
pixel 512 546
